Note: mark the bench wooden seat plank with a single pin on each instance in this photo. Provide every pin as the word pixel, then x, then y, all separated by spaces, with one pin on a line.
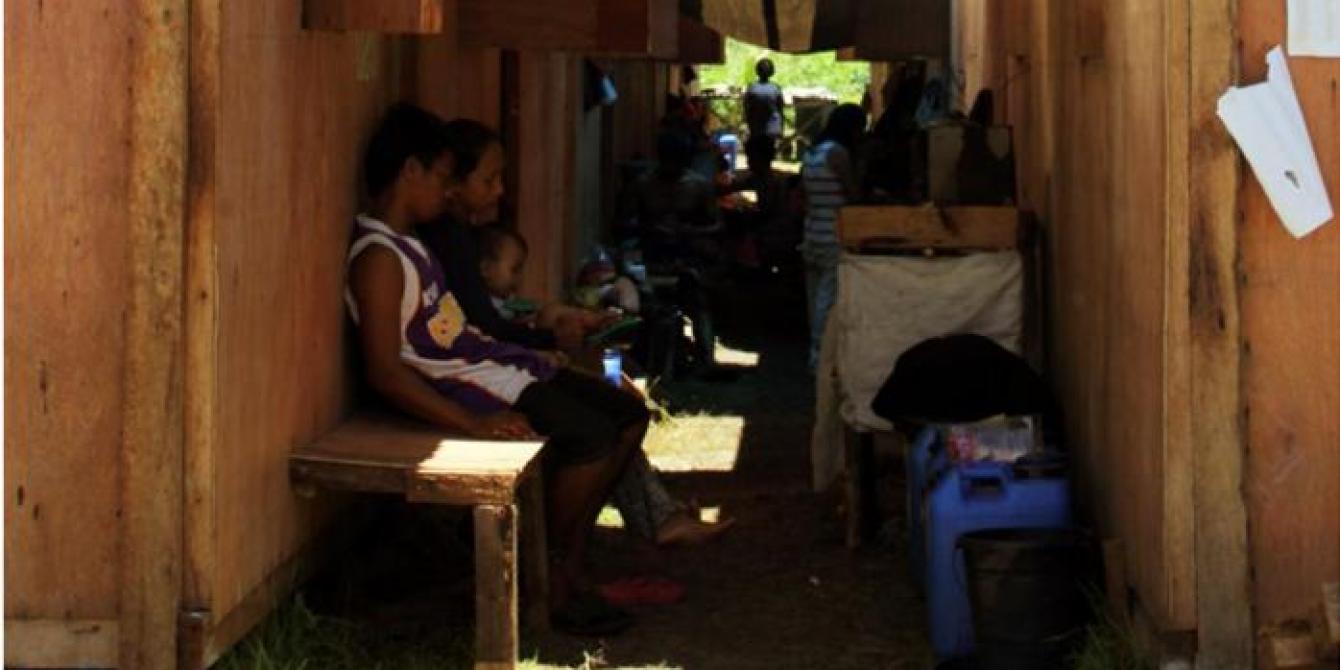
pixel 383 453
pixel 389 454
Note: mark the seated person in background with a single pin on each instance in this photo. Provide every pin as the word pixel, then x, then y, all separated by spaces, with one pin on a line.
pixel 648 509
pixel 674 207
pixel 422 354
pixel 677 222
pixel 600 286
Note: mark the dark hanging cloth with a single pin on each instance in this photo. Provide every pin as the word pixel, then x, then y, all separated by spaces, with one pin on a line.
pixel 960 379
pixel 792 26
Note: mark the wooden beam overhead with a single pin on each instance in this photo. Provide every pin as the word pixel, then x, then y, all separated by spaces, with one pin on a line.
pixel 891 30
pixel 700 44
pixel 848 54
pixel 379 16
pixel 613 28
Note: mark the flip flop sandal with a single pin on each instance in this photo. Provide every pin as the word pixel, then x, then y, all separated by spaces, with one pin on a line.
pixel 589 615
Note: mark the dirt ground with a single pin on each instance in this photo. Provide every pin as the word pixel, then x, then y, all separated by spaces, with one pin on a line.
pixel 778 591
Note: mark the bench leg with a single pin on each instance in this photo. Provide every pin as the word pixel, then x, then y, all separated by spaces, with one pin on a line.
pixel 535 553
pixel 496 638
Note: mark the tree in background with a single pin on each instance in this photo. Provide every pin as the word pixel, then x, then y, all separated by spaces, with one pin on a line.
pixel 847 80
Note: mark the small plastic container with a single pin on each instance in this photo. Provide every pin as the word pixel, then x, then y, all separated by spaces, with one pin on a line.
pixel 730 148
pixel 613 362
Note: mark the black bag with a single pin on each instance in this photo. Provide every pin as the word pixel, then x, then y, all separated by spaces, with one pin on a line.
pixel 961 379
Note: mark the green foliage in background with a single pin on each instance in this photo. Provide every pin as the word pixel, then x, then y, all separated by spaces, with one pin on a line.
pixel 847 80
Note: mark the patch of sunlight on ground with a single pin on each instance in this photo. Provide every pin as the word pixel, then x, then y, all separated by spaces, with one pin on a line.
pixel 737 358
pixel 725 355
pixel 610 517
pixel 700 442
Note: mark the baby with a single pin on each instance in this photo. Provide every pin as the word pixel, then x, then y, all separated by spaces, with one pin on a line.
pixel 502 258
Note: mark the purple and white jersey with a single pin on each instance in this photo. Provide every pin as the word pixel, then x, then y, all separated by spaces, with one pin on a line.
pixel 465 365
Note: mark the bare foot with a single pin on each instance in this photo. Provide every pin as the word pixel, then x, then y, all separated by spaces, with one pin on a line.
pixel 684 529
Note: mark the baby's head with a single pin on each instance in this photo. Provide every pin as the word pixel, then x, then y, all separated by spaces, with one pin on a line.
pixel 502 255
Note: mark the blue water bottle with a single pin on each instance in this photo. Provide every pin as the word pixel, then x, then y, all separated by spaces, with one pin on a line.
pixel 613 361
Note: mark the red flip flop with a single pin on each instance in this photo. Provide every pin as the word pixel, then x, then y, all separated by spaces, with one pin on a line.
pixel 642 591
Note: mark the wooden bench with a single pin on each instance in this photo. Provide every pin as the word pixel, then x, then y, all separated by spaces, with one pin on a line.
pixel 388 454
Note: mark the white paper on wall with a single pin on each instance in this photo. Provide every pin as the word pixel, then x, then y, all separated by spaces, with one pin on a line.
pixel 1314 28
pixel 1268 125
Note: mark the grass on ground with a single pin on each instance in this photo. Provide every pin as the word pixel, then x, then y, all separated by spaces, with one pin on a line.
pixel 1110 644
pixel 295 638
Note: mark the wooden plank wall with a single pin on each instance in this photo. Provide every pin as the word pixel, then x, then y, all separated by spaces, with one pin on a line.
pixel 550 100
pixel 894 29
pixel 66 234
pixel 1291 357
pixel 1084 84
pixel 589 225
pixel 294 108
pixel 454 81
pixel 642 87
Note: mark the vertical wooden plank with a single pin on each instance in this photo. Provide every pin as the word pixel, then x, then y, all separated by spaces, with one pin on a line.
pixel 496 636
pixel 535 552
pixel 565 101
pixel 536 153
pixel 295 109
pixel 201 332
pixel 1223 593
pixel 1179 503
pixel 1291 360
pixel 879 80
pixel 1090 93
pixel 152 438
pixel 453 80
pixel 56 643
pixel 66 231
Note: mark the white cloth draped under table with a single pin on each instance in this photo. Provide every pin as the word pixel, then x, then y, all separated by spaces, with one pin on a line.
pixel 886 305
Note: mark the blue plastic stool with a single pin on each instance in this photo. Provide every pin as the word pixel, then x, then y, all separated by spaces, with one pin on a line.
pixel 969 497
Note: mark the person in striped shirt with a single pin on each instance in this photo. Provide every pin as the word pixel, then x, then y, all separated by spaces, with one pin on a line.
pixel 830 182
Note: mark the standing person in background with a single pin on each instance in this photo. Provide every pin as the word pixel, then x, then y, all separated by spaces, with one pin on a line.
pixel 763 103
pixel 830 182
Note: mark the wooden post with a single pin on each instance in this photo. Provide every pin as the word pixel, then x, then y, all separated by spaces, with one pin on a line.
pixel 496 639
pixel 151 493
pixel 535 552
pixel 1223 576
pixel 201 337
